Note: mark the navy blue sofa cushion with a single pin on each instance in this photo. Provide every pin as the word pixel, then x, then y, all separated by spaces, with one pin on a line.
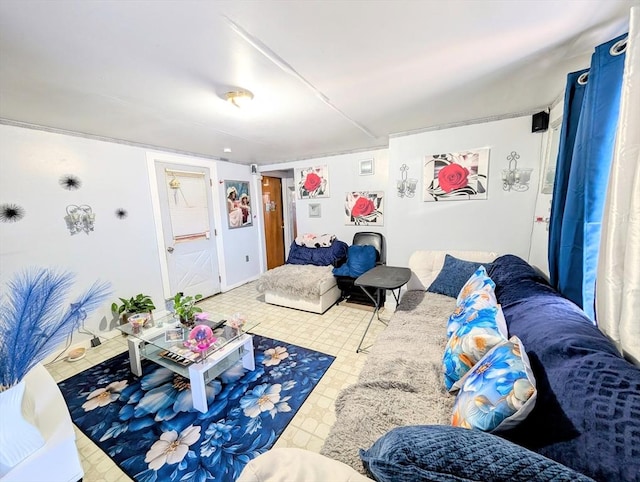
pixel 434 453
pixel 453 275
pixel 333 255
pixel 587 414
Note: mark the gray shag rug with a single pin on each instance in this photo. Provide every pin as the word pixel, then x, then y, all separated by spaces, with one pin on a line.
pixel 299 280
pixel 401 383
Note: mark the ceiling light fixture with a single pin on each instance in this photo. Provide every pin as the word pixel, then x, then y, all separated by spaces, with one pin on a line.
pixel 260 46
pixel 226 149
pixel 239 98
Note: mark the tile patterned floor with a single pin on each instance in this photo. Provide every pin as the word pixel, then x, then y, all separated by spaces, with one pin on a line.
pixel 336 333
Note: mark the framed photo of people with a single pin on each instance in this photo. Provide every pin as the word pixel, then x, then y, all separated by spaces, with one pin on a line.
pixel 238 202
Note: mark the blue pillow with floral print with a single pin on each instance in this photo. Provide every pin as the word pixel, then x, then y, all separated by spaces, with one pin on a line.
pixel 470 306
pixel 498 392
pixel 479 281
pixel 469 344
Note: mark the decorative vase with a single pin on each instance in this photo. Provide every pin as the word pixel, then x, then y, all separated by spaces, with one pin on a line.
pixel 19 438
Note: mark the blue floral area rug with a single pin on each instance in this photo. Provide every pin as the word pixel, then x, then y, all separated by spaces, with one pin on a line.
pixel 149 427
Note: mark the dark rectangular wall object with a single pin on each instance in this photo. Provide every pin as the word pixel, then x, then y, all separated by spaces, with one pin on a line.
pixel 540 122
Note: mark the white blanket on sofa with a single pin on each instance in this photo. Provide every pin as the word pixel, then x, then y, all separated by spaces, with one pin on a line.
pixel 301 280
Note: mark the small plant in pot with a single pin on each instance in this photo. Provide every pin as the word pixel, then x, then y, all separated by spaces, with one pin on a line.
pixel 139 304
pixel 185 308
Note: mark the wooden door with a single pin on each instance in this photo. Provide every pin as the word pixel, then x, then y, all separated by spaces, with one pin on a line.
pixel 273 220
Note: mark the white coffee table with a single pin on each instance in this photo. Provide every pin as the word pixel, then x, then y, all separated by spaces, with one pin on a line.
pixel 152 343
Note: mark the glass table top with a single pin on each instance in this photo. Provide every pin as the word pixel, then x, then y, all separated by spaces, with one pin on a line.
pixel 183 346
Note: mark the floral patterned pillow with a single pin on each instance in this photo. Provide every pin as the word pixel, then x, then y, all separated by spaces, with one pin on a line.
pixel 498 392
pixel 470 342
pixel 467 310
pixel 479 281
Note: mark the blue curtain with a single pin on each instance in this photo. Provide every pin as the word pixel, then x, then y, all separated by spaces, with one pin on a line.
pixel 582 173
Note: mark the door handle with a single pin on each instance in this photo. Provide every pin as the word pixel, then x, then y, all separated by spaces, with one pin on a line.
pixel 170 249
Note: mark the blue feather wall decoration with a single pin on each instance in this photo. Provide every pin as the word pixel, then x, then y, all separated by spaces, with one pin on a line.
pixel 35 319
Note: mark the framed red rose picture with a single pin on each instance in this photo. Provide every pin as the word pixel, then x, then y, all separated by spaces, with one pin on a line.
pixel 312 182
pixel 456 176
pixel 364 208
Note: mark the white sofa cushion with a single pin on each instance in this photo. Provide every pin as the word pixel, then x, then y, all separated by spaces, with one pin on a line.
pixel 58 460
pixel 297 465
pixel 425 265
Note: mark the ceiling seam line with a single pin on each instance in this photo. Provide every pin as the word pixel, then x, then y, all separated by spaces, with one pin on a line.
pixel 278 61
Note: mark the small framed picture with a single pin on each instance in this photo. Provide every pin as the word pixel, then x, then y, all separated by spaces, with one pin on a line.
pixel 366 167
pixel 314 210
pixel 174 334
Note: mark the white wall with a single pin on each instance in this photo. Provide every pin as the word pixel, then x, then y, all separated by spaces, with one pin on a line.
pixel 125 253
pixel 502 223
pixel 239 243
pixel 121 251
pixel 343 177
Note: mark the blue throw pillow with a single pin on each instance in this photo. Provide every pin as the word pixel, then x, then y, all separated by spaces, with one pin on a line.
pixel 453 276
pixel 469 343
pixel 473 303
pixel 478 282
pixel 499 391
pixel 441 453
pixel 342 270
pixel 360 259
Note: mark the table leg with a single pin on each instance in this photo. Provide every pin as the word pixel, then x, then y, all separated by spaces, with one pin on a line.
pixel 248 359
pixel 397 297
pixel 198 392
pixel 134 356
pixel 375 311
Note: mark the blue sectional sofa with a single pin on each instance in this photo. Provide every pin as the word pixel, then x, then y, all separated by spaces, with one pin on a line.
pixel 586 417
pixel 587 414
pixel 394 424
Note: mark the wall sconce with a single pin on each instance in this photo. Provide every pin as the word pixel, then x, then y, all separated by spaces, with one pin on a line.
pixel 79 219
pixel 406 187
pixel 514 178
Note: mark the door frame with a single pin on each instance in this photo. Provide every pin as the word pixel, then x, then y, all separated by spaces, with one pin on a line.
pixel 287 216
pixel 156 156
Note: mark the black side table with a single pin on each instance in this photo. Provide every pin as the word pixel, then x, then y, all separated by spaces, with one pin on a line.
pixel 379 279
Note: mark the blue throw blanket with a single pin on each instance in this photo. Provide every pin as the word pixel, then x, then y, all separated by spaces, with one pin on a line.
pixel 333 255
pixel 587 414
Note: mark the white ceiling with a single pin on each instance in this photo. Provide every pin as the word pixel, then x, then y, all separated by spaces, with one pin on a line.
pixel 328 76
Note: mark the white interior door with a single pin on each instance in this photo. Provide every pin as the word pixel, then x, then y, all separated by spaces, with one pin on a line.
pixel 188 229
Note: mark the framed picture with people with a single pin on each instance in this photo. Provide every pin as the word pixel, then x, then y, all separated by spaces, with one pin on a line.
pixel 238 202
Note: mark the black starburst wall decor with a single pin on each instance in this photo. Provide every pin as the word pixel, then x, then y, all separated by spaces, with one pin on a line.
pixel 121 213
pixel 11 213
pixel 70 182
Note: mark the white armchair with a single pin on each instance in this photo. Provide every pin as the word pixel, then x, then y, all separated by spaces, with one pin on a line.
pixel 58 459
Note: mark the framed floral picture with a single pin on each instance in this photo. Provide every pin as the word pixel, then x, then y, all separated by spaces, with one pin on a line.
pixel 364 208
pixel 456 176
pixel 238 204
pixel 312 182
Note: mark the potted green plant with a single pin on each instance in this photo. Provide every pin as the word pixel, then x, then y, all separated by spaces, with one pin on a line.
pixel 185 308
pixel 139 304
